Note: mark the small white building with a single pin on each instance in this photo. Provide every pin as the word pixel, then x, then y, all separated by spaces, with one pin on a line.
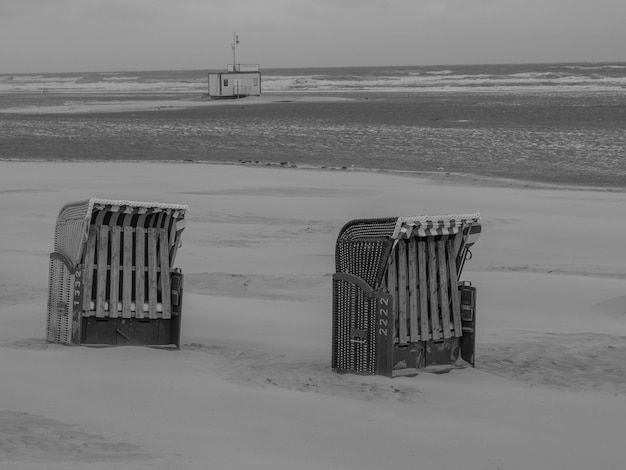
pixel 240 80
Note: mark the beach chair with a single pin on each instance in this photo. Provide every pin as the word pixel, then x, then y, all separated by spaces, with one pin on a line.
pixel 398 303
pixel 112 279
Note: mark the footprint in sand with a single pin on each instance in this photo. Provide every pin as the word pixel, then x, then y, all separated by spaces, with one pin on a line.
pixel 26 437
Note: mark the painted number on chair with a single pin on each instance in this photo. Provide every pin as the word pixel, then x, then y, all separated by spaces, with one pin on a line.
pixel 384 330
pixel 383 316
pixel 78 290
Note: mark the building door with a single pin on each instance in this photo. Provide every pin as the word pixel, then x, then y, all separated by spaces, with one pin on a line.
pixel 238 89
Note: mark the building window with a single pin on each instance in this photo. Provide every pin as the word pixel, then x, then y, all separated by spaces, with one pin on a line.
pixel 255 81
pixel 226 82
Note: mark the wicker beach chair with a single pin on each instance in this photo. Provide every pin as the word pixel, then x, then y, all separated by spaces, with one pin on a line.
pixel 112 279
pixel 398 304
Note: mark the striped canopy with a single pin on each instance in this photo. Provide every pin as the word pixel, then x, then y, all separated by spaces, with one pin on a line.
pixel 433 225
pixel 73 221
pixel 128 206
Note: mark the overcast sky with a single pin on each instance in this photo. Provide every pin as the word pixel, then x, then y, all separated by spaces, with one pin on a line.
pixel 115 35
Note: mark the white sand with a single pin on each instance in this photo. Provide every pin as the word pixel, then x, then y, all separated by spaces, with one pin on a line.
pixel 252 387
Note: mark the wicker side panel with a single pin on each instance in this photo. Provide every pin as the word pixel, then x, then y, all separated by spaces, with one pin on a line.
pixel 364 258
pixel 363 247
pixel 70 231
pixel 354 329
pixel 368 229
pixel 60 297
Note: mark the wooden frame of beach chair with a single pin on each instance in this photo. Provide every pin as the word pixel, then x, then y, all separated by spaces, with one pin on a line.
pixel 112 279
pixel 398 303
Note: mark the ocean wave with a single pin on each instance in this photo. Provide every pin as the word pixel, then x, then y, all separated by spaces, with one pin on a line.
pixel 538 77
pixel 117 77
pixel 596 67
pixel 445 82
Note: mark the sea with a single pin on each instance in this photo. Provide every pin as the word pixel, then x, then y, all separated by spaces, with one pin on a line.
pixel 560 123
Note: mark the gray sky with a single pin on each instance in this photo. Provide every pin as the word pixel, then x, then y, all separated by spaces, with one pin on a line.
pixel 114 35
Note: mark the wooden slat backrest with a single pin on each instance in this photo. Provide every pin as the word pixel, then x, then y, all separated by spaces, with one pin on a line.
pixel 455 299
pixel 433 288
pixel 140 270
pixel 127 269
pixel 173 238
pixel 164 262
pixel 103 252
pixel 414 324
pixel 392 285
pixel 114 284
pixel 403 289
pixel 90 253
pixel 152 273
pixel 422 276
pixel 444 304
pixel 127 283
pixel 423 290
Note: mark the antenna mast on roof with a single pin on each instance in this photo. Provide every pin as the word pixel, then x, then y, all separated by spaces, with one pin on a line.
pixel 234 46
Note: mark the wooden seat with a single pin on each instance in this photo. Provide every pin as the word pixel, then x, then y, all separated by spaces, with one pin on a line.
pixel 112 279
pixel 398 303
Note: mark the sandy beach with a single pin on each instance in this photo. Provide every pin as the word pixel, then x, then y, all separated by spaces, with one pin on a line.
pixel 72 104
pixel 252 385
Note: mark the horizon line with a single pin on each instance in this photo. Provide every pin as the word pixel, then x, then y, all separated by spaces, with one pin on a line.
pixel 322 67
